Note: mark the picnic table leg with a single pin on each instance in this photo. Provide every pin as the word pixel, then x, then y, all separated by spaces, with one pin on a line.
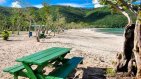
pixel 15 76
pixel 63 59
pixel 30 72
pixel 60 59
pixel 39 70
pixel 40 76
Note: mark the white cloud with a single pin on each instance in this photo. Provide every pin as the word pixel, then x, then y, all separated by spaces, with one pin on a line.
pixel 16 4
pixel 70 4
pixel 2 1
pixel 88 5
pixel 96 4
pixel 38 6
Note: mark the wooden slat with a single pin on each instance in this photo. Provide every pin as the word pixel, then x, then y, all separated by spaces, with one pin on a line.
pixel 14 69
pixel 52 77
pixel 66 69
pixel 52 56
pixel 10 68
pixel 35 54
pixel 45 54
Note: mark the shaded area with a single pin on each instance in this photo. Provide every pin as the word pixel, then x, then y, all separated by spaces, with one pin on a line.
pixel 15 40
pixel 94 73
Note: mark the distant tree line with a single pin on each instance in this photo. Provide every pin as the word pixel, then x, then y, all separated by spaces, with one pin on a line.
pixel 58 17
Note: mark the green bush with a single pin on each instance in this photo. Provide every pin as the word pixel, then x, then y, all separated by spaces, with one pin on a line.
pixel 42 35
pixel 110 72
pixel 5 35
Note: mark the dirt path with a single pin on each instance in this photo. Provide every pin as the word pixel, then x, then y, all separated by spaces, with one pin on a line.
pixel 98 49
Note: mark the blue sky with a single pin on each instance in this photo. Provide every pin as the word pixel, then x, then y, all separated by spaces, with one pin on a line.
pixel 137 2
pixel 37 3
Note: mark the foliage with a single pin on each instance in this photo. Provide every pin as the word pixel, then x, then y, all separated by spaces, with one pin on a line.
pixel 54 17
pixel 129 61
pixel 42 35
pixel 110 72
pixel 5 35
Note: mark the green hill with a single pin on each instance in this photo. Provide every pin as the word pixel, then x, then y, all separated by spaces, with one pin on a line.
pixel 98 17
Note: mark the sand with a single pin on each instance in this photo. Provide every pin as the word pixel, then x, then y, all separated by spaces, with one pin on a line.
pixel 98 49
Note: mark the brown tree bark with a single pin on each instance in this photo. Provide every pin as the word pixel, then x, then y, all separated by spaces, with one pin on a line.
pixel 38 35
pixel 137 44
pixel 127 54
pixel 130 59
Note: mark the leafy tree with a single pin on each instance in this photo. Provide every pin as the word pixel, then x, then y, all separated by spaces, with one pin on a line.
pixel 3 22
pixel 44 14
pixel 13 20
pixel 132 46
pixel 19 19
pixel 30 16
pixel 5 35
pixel 61 24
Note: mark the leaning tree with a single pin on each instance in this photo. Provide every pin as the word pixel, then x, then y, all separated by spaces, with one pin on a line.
pixel 130 59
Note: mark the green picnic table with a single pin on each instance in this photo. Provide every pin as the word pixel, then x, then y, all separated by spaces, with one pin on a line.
pixel 54 56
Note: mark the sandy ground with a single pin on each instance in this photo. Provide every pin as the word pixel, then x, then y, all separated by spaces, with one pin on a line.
pixel 98 49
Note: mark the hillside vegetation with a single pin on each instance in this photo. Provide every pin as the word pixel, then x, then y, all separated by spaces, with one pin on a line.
pixel 98 17
pixel 75 17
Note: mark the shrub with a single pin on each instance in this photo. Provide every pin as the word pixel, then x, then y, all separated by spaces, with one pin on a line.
pixel 42 35
pixel 110 72
pixel 5 35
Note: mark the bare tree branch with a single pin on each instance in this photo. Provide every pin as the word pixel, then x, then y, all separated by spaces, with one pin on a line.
pixel 129 6
pixel 121 10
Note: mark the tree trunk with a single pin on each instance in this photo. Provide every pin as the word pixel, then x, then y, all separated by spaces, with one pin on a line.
pixel 47 31
pixel 18 29
pixel 130 59
pixel 137 44
pixel 29 28
pixel 54 33
pixel 126 55
pixel 13 28
pixel 37 35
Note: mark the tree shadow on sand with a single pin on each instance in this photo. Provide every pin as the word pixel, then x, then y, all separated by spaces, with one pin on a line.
pixel 94 73
pixel 88 73
pixel 14 40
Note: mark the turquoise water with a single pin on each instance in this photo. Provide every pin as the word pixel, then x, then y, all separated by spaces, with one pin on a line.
pixel 116 31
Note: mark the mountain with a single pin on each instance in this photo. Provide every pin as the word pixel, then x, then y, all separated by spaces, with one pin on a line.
pixel 5 10
pixel 98 17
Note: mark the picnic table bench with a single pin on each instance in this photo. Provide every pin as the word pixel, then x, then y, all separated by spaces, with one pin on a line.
pixel 41 59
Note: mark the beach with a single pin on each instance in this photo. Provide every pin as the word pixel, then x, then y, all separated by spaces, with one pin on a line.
pixel 99 49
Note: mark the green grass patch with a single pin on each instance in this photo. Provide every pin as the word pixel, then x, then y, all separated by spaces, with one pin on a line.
pixel 110 72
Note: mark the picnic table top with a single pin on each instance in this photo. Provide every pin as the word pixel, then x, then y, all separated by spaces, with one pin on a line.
pixel 41 57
